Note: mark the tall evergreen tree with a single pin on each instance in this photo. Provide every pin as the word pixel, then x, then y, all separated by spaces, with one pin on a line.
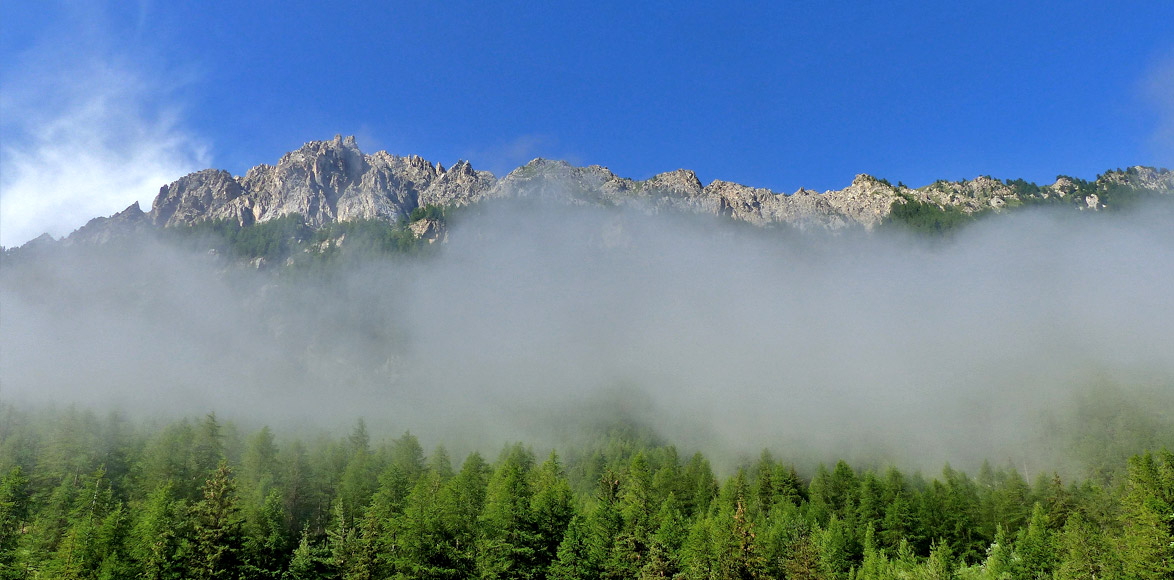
pixel 14 511
pixel 509 544
pixel 1147 541
pixel 1035 547
pixel 160 537
pixel 552 507
pixel 574 560
pixel 217 529
pixel 1083 552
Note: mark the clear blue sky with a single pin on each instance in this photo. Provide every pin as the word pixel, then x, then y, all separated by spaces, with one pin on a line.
pixel 771 94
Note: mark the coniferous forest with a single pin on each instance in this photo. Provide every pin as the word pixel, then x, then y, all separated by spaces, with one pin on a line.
pixel 89 496
pixel 1054 352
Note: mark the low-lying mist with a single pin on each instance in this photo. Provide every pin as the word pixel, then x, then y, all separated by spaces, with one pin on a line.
pixel 538 322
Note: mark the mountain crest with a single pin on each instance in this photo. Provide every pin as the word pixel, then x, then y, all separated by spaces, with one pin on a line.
pixel 329 181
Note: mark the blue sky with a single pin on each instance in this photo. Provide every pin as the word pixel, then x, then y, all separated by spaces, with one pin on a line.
pixel 102 102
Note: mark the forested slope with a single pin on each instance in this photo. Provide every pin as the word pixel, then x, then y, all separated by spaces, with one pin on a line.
pixel 91 497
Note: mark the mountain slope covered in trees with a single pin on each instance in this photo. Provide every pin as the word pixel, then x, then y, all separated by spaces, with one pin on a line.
pixel 90 497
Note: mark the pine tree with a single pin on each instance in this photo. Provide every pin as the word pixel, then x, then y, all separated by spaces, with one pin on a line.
pixel 217 529
pixel 874 565
pixel 159 538
pixel 835 555
pixel 509 544
pixel 1035 546
pixel 343 540
pixel 941 563
pixel 14 511
pixel 670 535
pixel 467 490
pixel 899 522
pixel 765 490
pixel 870 513
pixel 1001 562
pixel 802 560
pixel 605 523
pixel 1083 551
pixel 259 470
pixel 408 456
pixel 699 485
pixel 630 550
pixel 308 562
pixel 359 483
pixel 94 532
pixel 843 491
pixel 266 542
pixel 737 551
pixel 574 560
pixel 167 460
pixel 427 541
pixel 1147 542
pixel 1011 503
pixel 552 507
pixel 207 448
pixel 697 557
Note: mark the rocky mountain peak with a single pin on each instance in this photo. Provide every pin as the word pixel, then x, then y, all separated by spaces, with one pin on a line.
pixel 104 229
pixel 195 197
pixel 682 181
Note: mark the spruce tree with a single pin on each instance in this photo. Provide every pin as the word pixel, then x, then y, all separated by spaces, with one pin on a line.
pixel 159 539
pixel 509 544
pixel 217 529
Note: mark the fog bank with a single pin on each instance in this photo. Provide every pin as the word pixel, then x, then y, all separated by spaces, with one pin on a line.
pixel 536 321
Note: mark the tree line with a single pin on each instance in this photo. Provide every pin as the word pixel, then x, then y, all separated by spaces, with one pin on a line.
pixel 84 496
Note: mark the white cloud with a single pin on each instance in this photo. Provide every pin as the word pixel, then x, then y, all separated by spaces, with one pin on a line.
pixel 86 133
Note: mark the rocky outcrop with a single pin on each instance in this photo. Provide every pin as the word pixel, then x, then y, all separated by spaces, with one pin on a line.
pixel 561 181
pixel 1138 177
pixel 970 196
pixel 429 230
pixel 207 194
pixel 324 182
pixel 327 181
pixel 868 201
pixel 459 186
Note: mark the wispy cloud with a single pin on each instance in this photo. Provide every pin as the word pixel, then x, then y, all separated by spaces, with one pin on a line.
pixel 88 130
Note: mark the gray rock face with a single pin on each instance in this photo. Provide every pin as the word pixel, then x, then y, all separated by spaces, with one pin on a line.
pixel 198 196
pixel 101 230
pixel 969 196
pixel 324 182
pixel 1141 178
pixel 328 181
pixel 868 201
pixel 429 230
pixel 461 185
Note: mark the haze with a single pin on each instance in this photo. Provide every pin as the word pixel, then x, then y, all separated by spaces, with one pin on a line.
pixel 535 321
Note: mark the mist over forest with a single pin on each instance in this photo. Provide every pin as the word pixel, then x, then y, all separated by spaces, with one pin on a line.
pixel 1008 340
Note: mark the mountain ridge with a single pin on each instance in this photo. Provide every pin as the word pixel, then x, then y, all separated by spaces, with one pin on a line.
pixel 334 181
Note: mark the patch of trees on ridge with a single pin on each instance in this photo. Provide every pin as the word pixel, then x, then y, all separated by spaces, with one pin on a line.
pixel 289 240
